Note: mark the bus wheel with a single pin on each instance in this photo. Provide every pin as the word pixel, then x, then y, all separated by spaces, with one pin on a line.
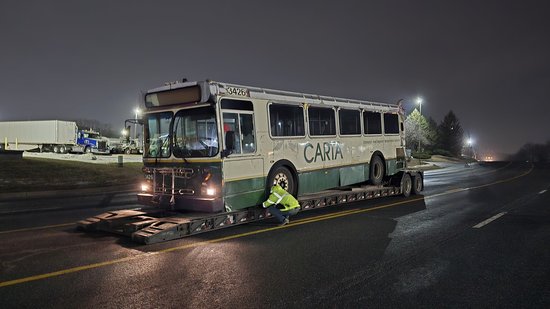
pixel 283 177
pixel 406 185
pixel 376 170
pixel 417 184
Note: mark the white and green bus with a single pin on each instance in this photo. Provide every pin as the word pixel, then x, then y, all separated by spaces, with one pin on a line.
pixel 214 147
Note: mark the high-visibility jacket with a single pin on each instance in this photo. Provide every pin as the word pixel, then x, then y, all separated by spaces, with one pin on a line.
pixel 280 196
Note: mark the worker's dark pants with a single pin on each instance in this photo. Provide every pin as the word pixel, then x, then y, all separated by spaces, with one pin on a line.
pixel 281 215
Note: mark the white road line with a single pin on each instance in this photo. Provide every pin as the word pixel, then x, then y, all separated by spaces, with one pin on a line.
pixel 493 218
pixel 542 192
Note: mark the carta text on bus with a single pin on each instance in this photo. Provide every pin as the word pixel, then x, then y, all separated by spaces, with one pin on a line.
pixel 326 152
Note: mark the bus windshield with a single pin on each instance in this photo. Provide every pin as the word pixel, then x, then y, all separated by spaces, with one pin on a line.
pixel 157 135
pixel 195 133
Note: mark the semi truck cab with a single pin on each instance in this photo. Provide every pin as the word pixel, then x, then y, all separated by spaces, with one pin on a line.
pixel 91 141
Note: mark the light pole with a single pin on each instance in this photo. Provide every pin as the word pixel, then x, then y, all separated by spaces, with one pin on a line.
pixel 472 153
pixel 419 102
pixel 137 111
pixel 469 143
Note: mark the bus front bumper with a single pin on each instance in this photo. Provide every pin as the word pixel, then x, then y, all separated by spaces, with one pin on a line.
pixel 183 203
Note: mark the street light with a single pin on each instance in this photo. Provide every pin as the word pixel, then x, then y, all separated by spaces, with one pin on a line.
pixel 419 102
pixel 137 111
pixel 470 143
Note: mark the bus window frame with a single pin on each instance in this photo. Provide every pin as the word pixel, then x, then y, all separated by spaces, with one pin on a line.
pixel 360 122
pixel 238 112
pixel 172 133
pixel 336 122
pixel 169 138
pixel 384 124
pixel 381 124
pixel 301 105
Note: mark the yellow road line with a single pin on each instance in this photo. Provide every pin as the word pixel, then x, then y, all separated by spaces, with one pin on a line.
pixel 495 170
pixel 203 243
pixel 197 244
pixel 66 271
pixel 433 195
pixel 72 223
pixel 504 180
pixel 483 185
pixel 37 228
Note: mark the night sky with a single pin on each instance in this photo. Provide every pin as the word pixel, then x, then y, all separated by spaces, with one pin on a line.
pixel 488 61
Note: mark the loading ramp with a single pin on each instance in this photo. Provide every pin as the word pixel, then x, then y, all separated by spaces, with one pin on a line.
pixel 157 225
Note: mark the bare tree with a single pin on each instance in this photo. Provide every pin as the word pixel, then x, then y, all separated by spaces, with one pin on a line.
pixel 102 128
pixel 534 153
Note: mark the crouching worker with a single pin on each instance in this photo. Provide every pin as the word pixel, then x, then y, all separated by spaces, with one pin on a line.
pixel 289 205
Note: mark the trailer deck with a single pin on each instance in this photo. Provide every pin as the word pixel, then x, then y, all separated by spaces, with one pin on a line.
pixel 157 225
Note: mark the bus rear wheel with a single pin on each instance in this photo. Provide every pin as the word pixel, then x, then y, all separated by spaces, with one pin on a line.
pixel 406 185
pixel 283 177
pixel 417 184
pixel 376 170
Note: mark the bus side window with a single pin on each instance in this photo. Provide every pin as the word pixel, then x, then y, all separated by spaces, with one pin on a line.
pixel 321 121
pixel 231 123
pixel 391 123
pixel 247 130
pixel 372 122
pixel 286 120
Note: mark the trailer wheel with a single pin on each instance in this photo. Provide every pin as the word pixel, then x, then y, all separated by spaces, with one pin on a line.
pixel 406 185
pixel 418 184
pixel 62 149
pixel 128 151
pixel 56 149
pixel 376 170
pixel 284 178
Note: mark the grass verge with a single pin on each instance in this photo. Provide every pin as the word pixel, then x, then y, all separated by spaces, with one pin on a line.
pixel 35 174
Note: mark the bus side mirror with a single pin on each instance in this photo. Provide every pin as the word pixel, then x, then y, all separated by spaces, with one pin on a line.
pixel 225 153
pixel 229 143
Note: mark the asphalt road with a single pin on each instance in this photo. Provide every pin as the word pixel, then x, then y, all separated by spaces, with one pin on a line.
pixel 478 237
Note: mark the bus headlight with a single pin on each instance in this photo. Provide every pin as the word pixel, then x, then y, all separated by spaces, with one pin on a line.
pixel 210 191
pixel 145 187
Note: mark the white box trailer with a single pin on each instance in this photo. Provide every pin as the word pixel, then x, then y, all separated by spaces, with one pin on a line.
pixel 46 135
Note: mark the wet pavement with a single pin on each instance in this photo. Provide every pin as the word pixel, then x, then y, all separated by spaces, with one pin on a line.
pixel 477 237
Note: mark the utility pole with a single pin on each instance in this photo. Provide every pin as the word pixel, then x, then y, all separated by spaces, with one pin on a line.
pixel 419 102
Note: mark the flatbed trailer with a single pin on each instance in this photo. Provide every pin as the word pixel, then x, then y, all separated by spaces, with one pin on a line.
pixel 158 225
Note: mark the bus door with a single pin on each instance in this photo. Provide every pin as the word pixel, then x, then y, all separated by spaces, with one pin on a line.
pixel 243 165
